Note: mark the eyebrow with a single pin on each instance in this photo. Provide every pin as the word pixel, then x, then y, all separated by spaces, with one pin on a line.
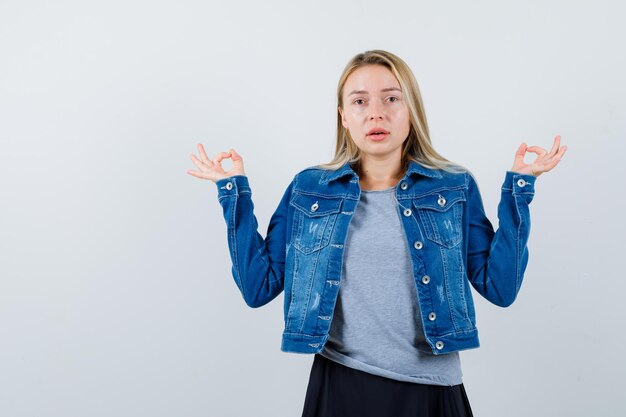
pixel 382 91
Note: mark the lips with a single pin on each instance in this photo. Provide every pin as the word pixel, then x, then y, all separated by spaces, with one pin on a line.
pixel 377 134
pixel 377 131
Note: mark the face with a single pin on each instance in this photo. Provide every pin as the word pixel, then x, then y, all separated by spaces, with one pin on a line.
pixel 373 101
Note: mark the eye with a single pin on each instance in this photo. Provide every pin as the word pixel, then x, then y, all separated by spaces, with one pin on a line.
pixel 393 99
pixel 358 100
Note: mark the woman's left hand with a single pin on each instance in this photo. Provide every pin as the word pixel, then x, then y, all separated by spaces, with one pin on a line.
pixel 544 162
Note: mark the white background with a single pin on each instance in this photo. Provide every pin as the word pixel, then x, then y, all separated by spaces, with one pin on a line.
pixel 116 295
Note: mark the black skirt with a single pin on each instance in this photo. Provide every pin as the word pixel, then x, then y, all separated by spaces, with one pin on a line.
pixel 335 390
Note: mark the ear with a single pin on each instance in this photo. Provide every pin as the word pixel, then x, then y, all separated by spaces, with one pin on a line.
pixel 343 117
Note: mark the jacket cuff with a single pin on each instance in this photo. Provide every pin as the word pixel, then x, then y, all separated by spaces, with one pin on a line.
pixel 519 183
pixel 232 186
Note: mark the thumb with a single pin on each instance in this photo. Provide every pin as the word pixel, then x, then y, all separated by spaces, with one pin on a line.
pixel 521 151
pixel 234 155
pixel 236 158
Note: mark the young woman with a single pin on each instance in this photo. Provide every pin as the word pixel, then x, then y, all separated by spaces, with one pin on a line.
pixel 377 249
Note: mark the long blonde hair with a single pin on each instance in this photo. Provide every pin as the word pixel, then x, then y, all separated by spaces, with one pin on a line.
pixel 418 146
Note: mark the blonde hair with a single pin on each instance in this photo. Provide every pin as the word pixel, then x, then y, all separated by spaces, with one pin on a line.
pixel 418 146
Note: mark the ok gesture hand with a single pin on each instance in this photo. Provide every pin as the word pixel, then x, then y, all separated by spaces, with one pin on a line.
pixel 211 169
pixel 544 162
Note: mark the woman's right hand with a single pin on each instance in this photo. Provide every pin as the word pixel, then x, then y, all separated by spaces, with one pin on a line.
pixel 211 169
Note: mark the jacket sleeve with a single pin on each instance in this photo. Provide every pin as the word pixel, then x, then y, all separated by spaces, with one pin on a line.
pixel 496 261
pixel 258 264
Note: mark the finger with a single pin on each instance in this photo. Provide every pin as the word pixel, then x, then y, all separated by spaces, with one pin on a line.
pixel 203 154
pixel 199 175
pixel 561 152
pixel 555 146
pixel 201 164
pixel 555 160
pixel 218 158
pixel 234 154
pixel 521 151
pixel 551 165
pixel 537 149
pixel 236 158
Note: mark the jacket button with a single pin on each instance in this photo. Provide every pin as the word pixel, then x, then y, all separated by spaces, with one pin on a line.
pixel 404 185
pixel 418 244
pixel 432 316
pixel 315 206
pixel 229 185
pixel 407 212
pixel 439 345
pixel 521 182
pixel 425 279
pixel 441 201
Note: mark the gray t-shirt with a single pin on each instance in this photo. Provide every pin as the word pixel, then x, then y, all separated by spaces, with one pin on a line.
pixel 377 326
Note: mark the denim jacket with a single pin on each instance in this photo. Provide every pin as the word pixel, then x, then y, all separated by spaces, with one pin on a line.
pixel 451 242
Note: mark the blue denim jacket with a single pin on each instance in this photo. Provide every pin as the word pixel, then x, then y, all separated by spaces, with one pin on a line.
pixel 451 241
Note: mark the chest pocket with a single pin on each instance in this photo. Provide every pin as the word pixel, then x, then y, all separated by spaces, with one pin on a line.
pixel 313 221
pixel 441 214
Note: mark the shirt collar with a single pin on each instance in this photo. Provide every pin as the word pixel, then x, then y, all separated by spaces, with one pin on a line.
pixel 346 169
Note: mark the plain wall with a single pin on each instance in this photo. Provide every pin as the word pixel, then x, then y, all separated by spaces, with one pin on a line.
pixel 116 294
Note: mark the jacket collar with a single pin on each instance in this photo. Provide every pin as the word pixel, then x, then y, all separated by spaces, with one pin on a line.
pixel 346 169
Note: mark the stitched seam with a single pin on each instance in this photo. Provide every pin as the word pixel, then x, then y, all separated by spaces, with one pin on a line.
pixel 258 249
pixel 446 282
pixel 234 245
pixel 517 246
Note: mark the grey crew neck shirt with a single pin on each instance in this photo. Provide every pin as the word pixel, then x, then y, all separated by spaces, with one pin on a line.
pixel 377 325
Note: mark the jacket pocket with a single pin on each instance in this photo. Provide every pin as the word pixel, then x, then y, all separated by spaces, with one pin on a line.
pixel 441 215
pixel 313 221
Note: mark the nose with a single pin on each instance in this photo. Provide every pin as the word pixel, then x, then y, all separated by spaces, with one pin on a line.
pixel 376 111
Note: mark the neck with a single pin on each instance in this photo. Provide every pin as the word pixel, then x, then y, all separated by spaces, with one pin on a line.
pixel 379 174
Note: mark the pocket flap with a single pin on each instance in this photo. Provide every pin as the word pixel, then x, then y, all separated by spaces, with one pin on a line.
pixel 439 201
pixel 315 206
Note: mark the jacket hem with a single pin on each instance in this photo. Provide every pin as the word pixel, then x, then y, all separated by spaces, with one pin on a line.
pixel 310 344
